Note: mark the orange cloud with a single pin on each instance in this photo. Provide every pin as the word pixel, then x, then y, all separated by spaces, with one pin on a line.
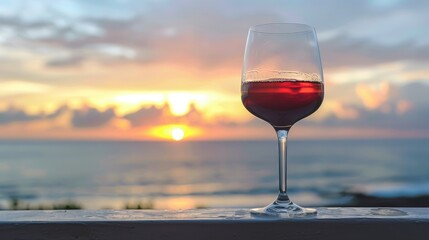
pixel 345 112
pixel 403 106
pixel 373 96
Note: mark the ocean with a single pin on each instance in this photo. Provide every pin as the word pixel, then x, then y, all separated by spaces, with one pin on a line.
pixel 181 175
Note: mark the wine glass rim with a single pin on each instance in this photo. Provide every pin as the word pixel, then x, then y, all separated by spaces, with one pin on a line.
pixel 282 28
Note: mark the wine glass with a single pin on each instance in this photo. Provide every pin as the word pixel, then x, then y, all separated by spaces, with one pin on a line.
pixel 282 82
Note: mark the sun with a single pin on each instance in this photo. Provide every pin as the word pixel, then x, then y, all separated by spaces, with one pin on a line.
pixel 177 133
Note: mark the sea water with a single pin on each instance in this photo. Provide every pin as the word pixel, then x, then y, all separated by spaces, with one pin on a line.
pixel 172 175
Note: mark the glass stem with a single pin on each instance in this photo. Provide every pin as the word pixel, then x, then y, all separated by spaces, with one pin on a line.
pixel 282 139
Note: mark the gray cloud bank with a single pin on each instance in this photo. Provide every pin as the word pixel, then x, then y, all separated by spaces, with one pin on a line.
pixel 212 34
pixel 389 115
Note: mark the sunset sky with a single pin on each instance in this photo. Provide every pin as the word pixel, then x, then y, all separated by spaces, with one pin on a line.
pixel 141 70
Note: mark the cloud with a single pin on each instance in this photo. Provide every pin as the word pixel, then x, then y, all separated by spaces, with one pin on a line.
pixel 373 96
pixel 73 61
pixel 16 115
pixel 383 106
pixel 13 114
pixel 211 34
pixel 402 110
pixel 10 88
pixel 369 105
pixel 412 119
pixel 403 107
pixel 58 112
pixel 151 116
pixel 344 111
pixel 192 117
pixel 345 51
pixel 89 117
pixel 193 45
pixel 146 36
pixel 146 116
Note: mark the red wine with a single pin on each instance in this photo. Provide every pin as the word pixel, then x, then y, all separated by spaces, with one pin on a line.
pixel 282 102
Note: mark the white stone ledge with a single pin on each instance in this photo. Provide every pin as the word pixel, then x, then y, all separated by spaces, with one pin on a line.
pixel 223 224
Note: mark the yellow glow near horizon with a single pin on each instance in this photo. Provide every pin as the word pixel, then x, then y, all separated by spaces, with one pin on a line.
pixel 174 132
pixel 180 102
pixel 179 203
pixel 136 98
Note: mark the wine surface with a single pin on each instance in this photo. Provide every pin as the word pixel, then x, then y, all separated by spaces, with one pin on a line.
pixel 282 102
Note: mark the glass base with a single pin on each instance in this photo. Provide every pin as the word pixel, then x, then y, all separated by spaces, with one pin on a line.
pixel 283 209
